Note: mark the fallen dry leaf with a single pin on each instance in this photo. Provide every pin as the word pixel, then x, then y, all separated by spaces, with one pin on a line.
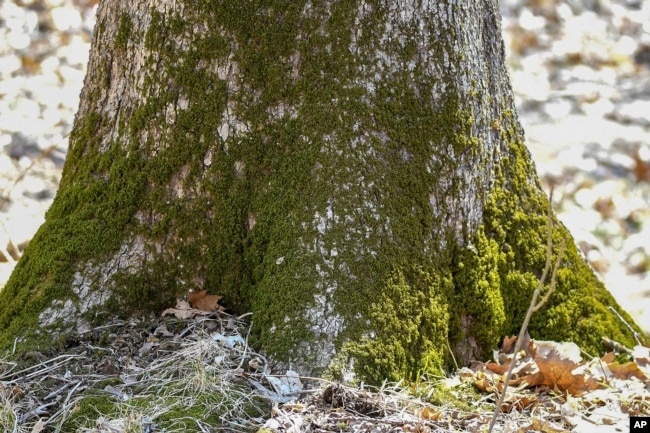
pixel 483 383
pixel 162 331
pixel 497 368
pixel 641 353
pixel 608 357
pixel 557 363
pixel 627 371
pixel 641 168
pixel 557 366
pixel 203 301
pixel 546 426
pixel 558 374
pixel 518 402
pixel 508 344
pixel 430 413
pixel 183 310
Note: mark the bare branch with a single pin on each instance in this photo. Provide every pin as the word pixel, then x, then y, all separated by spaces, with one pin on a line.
pixel 534 306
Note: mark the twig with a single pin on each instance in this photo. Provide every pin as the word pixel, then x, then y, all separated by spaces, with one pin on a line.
pixel 6 193
pixel 4 249
pixel 243 356
pixel 451 352
pixel 65 406
pixel 57 392
pixel 37 411
pixel 44 369
pixel 636 334
pixel 534 306
pixel 615 345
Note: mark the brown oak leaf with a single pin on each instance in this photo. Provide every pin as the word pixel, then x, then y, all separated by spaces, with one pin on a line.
pixel 508 344
pixel 627 371
pixel 557 363
pixel 182 310
pixel 203 301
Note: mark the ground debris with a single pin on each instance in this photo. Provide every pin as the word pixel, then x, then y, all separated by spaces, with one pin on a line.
pixel 174 375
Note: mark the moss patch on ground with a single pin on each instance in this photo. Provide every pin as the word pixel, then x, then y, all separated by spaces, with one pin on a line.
pixel 136 381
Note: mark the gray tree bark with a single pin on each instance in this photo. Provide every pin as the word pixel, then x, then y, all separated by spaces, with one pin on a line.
pixel 353 173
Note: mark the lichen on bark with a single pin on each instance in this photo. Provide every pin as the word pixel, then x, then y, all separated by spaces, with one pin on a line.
pixel 350 172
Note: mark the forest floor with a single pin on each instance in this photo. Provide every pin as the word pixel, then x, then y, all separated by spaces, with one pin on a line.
pixel 198 374
pixel 581 74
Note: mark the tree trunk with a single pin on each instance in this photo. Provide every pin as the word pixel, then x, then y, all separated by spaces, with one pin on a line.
pixel 353 173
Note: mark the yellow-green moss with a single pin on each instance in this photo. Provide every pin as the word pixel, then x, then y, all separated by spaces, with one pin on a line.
pixel 86 412
pixel 461 396
pixel 170 409
pixel 515 218
pixel 409 328
pixel 477 292
pixel 310 139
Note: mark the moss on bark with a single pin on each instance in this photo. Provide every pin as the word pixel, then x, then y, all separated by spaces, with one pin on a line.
pixel 349 172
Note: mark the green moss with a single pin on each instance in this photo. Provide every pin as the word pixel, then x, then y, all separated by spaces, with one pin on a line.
pixel 478 298
pixel 172 404
pixel 462 397
pixel 313 184
pixel 111 381
pixel 123 33
pixel 408 328
pixel 85 413
pixel 515 218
